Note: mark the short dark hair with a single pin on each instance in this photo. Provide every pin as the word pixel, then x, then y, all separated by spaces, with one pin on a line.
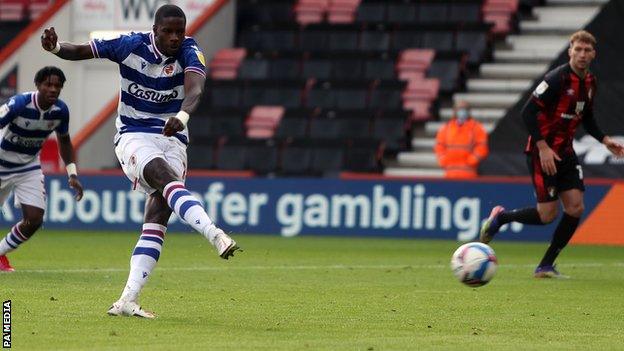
pixel 168 11
pixel 48 71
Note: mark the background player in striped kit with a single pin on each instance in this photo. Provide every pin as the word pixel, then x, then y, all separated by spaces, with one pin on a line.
pixel 562 101
pixel 162 80
pixel 29 118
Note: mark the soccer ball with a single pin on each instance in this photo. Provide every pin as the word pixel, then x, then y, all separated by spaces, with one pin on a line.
pixel 474 264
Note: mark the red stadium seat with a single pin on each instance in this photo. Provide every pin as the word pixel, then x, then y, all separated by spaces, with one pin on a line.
pixel 310 11
pixel 342 11
pixel 225 63
pixel 12 10
pixel 263 120
pixel 37 7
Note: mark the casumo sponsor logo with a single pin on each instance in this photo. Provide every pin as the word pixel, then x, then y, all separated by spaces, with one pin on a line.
pixel 150 95
pixel 406 210
pixel 26 142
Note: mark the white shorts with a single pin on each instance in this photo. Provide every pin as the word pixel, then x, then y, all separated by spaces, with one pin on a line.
pixel 27 187
pixel 135 150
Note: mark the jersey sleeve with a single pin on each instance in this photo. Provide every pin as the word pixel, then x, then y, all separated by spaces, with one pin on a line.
pixel 63 128
pixel 547 91
pixel 193 58
pixel 10 110
pixel 116 49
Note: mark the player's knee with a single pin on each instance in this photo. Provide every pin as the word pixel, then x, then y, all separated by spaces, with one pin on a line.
pixel 31 224
pixel 548 215
pixel 159 174
pixel 575 210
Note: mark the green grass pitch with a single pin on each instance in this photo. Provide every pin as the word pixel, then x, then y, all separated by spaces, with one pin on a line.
pixel 310 293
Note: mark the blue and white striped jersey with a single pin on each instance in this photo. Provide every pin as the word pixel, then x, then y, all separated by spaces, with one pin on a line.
pixel 25 127
pixel 152 85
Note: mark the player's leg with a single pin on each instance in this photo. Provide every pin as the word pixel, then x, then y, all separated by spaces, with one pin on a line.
pixel 572 211
pixel 159 174
pixel 144 257
pixel 571 189
pixel 545 212
pixel 30 196
pixel 157 163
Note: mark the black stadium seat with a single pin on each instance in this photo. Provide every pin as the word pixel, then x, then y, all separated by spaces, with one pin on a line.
pixel 273 92
pixel 201 154
pixel 255 66
pixel 380 66
pixel 317 65
pixel 216 123
pixel 401 12
pixel 432 12
pixel 262 156
pixel 375 38
pixel 388 95
pixel 349 66
pixel 474 42
pixel 296 157
pixel 371 11
pixel 447 70
pixel 465 12
pixel 222 93
pixel 327 157
pixel 406 39
pixel 363 155
pixel 314 37
pixel 390 127
pixel 442 40
pixel 231 155
pixel 343 38
pixel 286 66
pixel 294 124
pixel 269 37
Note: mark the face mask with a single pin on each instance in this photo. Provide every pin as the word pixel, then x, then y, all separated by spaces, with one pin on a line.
pixel 462 115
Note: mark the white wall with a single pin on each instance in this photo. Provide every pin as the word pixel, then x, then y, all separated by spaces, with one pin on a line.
pixel 89 84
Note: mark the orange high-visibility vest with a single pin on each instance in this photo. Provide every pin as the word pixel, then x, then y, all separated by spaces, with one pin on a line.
pixel 460 148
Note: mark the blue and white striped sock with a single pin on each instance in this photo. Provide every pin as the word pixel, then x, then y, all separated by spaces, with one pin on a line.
pixel 144 259
pixel 187 207
pixel 12 240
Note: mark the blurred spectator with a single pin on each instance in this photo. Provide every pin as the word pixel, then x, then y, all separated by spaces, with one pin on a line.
pixel 461 143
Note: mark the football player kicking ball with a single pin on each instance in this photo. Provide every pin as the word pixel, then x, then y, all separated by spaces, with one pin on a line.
pixel 562 101
pixel 162 81
pixel 29 118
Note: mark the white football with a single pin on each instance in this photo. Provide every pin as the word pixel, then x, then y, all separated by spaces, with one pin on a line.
pixel 474 264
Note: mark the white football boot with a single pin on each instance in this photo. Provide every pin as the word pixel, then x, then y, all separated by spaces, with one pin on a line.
pixel 224 245
pixel 129 309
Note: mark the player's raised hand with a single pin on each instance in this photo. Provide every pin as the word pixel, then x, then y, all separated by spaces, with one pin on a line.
pixel 49 39
pixel 616 148
pixel 547 159
pixel 74 183
pixel 172 126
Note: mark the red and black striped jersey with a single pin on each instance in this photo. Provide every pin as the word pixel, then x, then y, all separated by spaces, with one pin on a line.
pixel 564 100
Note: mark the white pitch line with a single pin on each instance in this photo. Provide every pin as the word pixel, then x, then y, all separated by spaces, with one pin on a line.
pixel 310 267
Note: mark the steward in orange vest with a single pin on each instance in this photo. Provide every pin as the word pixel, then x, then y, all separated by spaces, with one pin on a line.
pixel 461 144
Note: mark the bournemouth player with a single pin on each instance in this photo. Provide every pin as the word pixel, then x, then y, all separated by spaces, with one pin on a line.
pixel 162 81
pixel 29 119
pixel 562 101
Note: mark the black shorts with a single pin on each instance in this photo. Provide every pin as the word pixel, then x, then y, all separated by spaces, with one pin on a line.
pixel 547 188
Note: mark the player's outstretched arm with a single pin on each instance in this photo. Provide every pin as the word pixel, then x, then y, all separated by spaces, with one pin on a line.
pixel 193 91
pixel 66 150
pixel 67 51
